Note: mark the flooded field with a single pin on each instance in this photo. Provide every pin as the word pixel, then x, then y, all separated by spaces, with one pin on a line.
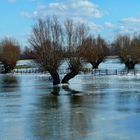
pixel 90 108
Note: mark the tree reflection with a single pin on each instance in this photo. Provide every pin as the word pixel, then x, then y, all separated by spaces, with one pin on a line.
pixel 8 83
pixel 47 117
pixel 67 89
pixel 56 91
pixel 128 101
pixel 67 116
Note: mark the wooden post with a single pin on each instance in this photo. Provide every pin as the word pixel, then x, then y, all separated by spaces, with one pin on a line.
pixel 106 71
pixel 127 71
pixel 91 71
pixel 94 72
pixel 116 72
pixel 134 72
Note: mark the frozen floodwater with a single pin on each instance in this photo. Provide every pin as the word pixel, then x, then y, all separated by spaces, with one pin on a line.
pixel 90 108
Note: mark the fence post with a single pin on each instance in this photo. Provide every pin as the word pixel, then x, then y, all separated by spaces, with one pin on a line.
pixel 106 71
pixel 127 71
pixel 134 72
pixel 94 72
pixel 116 72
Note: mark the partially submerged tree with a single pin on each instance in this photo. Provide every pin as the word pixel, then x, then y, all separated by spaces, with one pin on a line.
pixel 128 50
pixel 94 50
pixel 46 40
pixel 9 54
pixel 75 33
pixel 134 57
pixel 49 38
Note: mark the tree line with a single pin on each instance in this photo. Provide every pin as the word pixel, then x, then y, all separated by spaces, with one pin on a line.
pixel 52 41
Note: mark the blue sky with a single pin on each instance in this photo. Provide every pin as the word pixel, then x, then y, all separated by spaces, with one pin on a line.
pixel 105 17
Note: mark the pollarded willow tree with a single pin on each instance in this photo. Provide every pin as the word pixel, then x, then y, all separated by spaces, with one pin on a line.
pixel 75 33
pixel 94 50
pixel 49 37
pixel 9 53
pixel 128 50
pixel 47 40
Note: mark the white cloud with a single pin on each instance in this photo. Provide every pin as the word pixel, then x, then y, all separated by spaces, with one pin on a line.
pixel 84 11
pixel 69 8
pixel 130 25
pixel 96 29
pixel 131 20
pixel 127 29
pixel 109 25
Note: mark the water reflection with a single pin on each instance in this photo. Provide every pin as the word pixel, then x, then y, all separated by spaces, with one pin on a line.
pixel 10 106
pixel 8 83
pixel 55 91
pixel 81 116
pixel 63 117
pixel 128 101
pixel 69 90
pixel 94 108
pixel 47 117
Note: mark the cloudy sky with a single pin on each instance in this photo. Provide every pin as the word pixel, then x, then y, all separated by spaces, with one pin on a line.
pixel 104 17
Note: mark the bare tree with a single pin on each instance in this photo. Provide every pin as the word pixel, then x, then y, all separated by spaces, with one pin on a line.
pixel 27 53
pixel 94 50
pixel 75 33
pixel 46 40
pixel 49 38
pixel 9 53
pixel 128 50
